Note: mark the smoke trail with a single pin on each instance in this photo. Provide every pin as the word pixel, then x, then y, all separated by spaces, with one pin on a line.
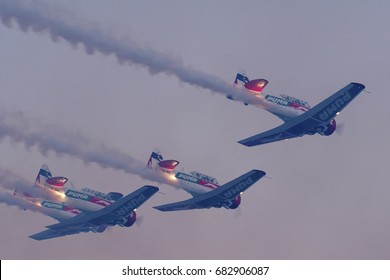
pixel 65 142
pixel 13 182
pixel 10 200
pixel 42 19
pixel 22 204
pixel 10 181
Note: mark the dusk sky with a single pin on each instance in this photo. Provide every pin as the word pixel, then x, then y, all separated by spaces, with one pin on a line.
pixel 91 88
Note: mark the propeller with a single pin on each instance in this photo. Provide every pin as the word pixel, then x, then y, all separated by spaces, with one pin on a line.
pixel 139 221
pixel 237 213
pixel 340 128
pixel 109 229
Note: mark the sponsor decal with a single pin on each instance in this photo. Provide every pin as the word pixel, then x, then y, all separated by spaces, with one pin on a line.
pixel 208 184
pixel 131 205
pixel 78 195
pixel 238 188
pixel 52 205
pixel 187 177
pixel 71 210
pixel 335 106
pixel 277 100
pixel 100 201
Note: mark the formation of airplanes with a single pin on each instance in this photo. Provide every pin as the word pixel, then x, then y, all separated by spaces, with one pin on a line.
pixel 88 210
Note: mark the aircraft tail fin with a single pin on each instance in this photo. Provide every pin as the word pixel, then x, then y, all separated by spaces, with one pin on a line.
pixel 157 162
pixel 43 174
pixel 154 159
pixel 240 80
pixel 255 86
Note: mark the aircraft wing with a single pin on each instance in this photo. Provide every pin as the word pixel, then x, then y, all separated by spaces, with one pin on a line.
pixel 110 215
pixel 218 196
pixel 319 115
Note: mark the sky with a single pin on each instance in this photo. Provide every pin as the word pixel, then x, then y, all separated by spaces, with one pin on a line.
pixel 91 88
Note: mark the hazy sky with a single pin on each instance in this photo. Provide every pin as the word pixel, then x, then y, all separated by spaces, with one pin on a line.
pixel 328 197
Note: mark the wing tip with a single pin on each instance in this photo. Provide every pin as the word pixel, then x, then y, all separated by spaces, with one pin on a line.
pixel 359 85
pixel 260 172
pixel 34 237
pixel 160 208
pixel 152 187
pixel 246 143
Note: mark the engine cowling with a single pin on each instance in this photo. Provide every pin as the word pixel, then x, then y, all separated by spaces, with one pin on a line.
pixel 100 229
pixel 324 129
pixel 131 220
pixel 331 128
pixel 235 202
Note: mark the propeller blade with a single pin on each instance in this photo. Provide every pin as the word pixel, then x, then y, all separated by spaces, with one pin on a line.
pixel 139 221
pixel 340 129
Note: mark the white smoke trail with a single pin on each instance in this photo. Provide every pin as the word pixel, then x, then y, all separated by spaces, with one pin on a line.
pixel 10 200
pixel 22 204
pixel 13 182
pixel 66 142
pixel 44 20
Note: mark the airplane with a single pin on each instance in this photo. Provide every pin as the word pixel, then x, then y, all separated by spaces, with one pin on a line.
pixel 121 212
pixel 96 212
pixel 299 118
pixel 205 189
pixel 85 199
